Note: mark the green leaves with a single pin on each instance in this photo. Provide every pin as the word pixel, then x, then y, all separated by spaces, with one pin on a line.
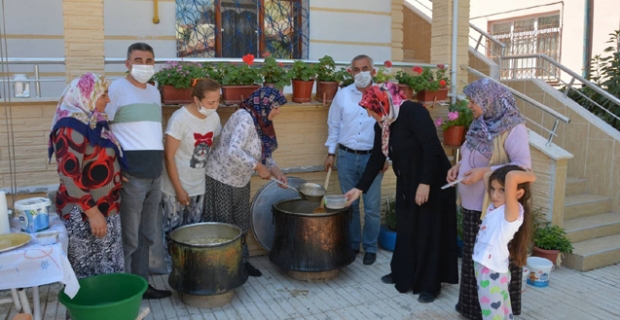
pixel 552 238
pixel 343 77
pixel 241 75
pixel 274 72
pixel 302 71
pixel 325 69
pixel 179 74
pixel 390 215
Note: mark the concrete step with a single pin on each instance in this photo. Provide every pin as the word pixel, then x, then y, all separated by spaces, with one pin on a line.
pixel 594 253
pixel 575 186
pixel 583 205
pixel 592 227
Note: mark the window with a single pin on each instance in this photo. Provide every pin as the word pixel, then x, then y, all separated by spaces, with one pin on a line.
pixel 531 35
pixel 233 28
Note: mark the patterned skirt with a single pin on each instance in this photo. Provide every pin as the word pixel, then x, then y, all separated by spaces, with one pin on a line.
pixel 468 304
pixel 227 204
pixel 90 255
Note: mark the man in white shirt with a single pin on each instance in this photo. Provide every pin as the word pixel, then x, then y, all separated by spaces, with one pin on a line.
pixel 351 132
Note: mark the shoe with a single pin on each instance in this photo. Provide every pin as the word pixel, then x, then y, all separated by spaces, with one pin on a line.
pixel 152 293
pixel 426 297
pixel 252 271
pixel 387 279
pixel 369 258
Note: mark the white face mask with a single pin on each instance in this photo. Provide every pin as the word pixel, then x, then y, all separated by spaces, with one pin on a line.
pixel 142 72
pixel 205 111
pixel 363 79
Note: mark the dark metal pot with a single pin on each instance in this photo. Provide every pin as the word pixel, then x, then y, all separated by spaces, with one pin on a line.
pixel 206 269
pixel 309 242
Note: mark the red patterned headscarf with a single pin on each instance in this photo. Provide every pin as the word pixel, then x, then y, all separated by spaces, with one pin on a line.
pixel 385 100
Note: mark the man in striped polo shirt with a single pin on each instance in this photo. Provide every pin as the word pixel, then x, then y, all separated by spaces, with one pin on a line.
pixel 136 116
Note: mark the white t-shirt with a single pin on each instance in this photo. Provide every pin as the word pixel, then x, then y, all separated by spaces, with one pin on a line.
pixel 491 248
pixel 196 137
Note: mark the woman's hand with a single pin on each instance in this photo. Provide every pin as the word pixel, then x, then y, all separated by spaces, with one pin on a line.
pixel 182 197
pixel 96 220
pixel 421 195
pixel 352 195
pixel 474 175
pixel 453 173
pixel 277 173
pixel 262 171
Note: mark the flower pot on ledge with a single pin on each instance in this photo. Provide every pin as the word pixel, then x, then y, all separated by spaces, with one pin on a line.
pixel 406 90
pixel 454 136
pixel 326 90
pixel 302 90
pixel 236 94
pixel 171 95
pixel 440 95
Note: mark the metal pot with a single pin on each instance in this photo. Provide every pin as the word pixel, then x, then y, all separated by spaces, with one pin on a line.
pixel 206 269
pixel 309 242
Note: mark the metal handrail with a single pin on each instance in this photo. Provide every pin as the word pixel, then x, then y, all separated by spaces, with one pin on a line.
pixel 558 116
pixel 36 62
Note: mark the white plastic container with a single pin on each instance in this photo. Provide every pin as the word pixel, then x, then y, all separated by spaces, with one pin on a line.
pixel 526 274
pixel 540 269
pixel 335 201
pixel 21 86
pixel 33 213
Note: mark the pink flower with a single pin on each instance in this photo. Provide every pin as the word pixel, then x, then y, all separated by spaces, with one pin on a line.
pixel 417 70
pixel 439 121
pixel 387 63
pixel 453 115
pixel 441 66
pixel 86 84
pixel 281 64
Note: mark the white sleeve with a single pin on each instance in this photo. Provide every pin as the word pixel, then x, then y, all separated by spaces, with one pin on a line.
pixel 175 127
pixel 334 118
pixel 112 107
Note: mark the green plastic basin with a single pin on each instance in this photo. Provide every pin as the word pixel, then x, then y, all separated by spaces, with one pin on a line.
pixel 106 296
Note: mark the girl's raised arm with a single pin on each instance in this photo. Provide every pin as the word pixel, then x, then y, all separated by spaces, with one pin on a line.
pixel 513 180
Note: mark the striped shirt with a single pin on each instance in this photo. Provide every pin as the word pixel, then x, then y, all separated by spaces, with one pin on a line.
pixel 136 120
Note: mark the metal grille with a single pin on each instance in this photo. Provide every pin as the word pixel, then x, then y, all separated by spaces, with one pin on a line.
pixel 233 28
pixel 538 35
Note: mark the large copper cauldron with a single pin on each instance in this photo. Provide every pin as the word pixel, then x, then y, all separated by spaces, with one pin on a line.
pixel 308 242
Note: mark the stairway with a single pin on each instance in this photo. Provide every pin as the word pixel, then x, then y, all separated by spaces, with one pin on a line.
pixel 591 227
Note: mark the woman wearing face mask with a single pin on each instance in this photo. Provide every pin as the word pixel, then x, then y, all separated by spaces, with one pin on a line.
pixel 188 140
pixel 246 146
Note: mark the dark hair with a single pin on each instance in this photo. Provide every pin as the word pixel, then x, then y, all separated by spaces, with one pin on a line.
pixel 518 245
pixel 200 86
pixel 139 46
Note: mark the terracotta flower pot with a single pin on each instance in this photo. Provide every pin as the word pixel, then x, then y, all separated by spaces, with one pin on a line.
pixel 302 90
pixel 327 90
pixel 454 136
pixel 236 94
pixel 171 95
pixel 551 255
pixel 406 90
pixel 440 95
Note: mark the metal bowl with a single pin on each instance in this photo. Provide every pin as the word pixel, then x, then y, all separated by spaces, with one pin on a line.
pixel 311 191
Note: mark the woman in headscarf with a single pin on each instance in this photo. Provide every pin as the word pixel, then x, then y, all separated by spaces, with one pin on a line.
pixel 246 145
pixel 496 137
pixel 89 161
pixel 426 253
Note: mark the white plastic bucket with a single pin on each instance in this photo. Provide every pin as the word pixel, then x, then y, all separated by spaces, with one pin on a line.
pixel 540 269
pixel 33 214
pixel 526 274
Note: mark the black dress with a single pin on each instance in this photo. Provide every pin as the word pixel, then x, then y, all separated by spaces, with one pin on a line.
pixel 426 252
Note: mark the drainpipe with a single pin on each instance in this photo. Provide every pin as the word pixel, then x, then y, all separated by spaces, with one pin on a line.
pixel 454 67
pixel 587 39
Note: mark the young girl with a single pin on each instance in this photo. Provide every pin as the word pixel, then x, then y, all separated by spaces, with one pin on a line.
pixel 504 234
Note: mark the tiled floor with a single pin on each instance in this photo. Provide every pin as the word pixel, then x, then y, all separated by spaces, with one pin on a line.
pixel 357 293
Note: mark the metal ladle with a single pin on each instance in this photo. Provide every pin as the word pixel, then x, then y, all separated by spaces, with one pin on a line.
pixel 284 184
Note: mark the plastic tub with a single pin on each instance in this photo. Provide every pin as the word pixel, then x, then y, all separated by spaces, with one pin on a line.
pixel 106 296
pixel 540 268
pixel 33 214
pixel 335 201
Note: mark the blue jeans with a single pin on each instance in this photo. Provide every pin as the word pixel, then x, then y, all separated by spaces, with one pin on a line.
pixel 351 167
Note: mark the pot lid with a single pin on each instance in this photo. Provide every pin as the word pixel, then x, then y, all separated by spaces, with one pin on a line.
pixel 262 217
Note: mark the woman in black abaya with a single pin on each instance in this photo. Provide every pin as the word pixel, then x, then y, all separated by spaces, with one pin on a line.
pixel 426 252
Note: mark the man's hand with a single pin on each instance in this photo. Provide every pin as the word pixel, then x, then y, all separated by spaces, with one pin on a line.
pixel 329 162
pixel 352 195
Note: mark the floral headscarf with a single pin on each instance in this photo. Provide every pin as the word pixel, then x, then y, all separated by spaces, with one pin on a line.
pixel 259 105
pixel 385 100
pixel 77 111
pixel 499 114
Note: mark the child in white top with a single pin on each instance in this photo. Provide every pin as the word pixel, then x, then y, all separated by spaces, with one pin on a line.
pixel 504 235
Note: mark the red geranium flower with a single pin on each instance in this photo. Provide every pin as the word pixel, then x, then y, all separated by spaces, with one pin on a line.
pixel 417 70
pixel 441 66
pixel 281 64
pixel 266 54
pixel 387 63
pixel 249 59
pixel 442 83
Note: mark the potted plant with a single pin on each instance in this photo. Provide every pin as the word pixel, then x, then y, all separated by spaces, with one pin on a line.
pixel 387 233
pixel 175 81
pixel 549 241
pixel 384 74
pixel 343 77
pixel 431 85
pixel 274 74
pixel 406 82
pixel 239 81
pixel 326 86
pixel 303 75
pixel 214 71
pixel 455 125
